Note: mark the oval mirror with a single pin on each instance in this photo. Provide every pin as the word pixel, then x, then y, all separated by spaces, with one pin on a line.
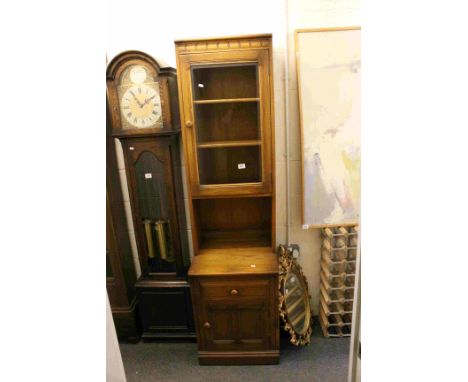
pixel 294 298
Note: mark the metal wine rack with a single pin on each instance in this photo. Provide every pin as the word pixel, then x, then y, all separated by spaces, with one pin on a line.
pixel 337 274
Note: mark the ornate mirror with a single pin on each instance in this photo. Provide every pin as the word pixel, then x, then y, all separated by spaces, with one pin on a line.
pixel 294 298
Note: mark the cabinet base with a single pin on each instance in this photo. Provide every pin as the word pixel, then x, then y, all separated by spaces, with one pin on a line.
pixel 165 308
pixel 238 358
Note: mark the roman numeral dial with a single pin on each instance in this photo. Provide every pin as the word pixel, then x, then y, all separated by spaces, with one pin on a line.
pixel 141 106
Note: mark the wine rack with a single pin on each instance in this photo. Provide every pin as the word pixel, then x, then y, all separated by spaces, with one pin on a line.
pixel 337 275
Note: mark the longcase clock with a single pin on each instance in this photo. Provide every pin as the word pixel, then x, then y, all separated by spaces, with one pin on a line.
pixel 145 117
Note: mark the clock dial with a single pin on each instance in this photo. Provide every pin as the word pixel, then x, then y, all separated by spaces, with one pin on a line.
pixel 141 106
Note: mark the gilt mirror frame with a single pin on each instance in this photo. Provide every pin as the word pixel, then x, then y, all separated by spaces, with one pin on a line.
pixel 288 265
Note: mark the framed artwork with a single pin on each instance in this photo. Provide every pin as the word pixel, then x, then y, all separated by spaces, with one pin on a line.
pixel 329 84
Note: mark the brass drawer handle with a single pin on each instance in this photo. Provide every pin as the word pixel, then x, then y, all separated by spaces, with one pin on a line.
pixel 207 325
pixel 234 292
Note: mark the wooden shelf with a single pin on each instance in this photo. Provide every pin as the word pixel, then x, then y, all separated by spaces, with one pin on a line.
pixel 236 251
pixel 227 100
pixel 235 239
pixel 234 261
pixel 215 144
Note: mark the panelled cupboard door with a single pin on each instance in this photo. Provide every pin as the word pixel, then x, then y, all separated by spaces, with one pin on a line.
pixel 226 118
pixel 231 327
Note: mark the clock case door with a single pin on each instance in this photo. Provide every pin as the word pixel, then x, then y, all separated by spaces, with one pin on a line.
pixel 167 79
pixel 162 154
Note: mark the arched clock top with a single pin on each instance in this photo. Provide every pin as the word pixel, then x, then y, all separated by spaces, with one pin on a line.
pixel 142 95
pixel 124 59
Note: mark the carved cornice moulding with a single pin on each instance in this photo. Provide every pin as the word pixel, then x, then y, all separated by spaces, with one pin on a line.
pixel 247 42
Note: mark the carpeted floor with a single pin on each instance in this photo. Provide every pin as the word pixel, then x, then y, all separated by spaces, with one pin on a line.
pixel 324 360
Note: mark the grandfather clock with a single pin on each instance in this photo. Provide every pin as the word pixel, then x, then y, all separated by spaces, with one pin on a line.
pixel 145 118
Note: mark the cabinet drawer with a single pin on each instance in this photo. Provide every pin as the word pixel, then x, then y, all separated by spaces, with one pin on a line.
pixel 234 290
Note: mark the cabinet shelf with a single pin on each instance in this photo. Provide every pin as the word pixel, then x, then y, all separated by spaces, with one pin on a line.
pixel 235 239
pixel 215 144
pixel 226 100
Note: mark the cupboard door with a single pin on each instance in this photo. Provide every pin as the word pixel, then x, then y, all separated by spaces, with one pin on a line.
pixel 226 107
pixel 235 327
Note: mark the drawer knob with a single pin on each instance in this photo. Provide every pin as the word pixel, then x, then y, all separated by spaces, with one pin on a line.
pixel 207 325
pixel 234 292
pixel 188 123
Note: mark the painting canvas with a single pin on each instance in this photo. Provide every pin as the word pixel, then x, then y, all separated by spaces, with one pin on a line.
pixel 329 75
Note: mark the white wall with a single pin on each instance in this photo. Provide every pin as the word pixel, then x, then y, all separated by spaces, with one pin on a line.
pixel 170 20
pixel 309 14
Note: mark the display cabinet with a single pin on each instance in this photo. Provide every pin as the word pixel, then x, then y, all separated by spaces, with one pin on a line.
pixel 150 140
pixel 226 92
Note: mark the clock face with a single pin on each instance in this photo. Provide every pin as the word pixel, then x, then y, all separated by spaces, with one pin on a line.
pixel 141 106
pixel 140 100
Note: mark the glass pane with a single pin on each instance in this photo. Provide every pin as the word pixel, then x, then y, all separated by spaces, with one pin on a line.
pixel 153 204
pixel 224 82
pixel 224 165
pixel 227 121
pixel 296 303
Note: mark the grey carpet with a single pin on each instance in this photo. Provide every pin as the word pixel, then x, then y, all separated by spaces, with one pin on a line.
pixel 324 360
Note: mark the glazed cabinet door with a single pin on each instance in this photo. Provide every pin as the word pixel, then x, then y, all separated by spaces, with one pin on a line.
pixel 226 114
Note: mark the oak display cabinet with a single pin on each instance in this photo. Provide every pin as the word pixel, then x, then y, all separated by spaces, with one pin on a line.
pixel 145 117
pixel 226 109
